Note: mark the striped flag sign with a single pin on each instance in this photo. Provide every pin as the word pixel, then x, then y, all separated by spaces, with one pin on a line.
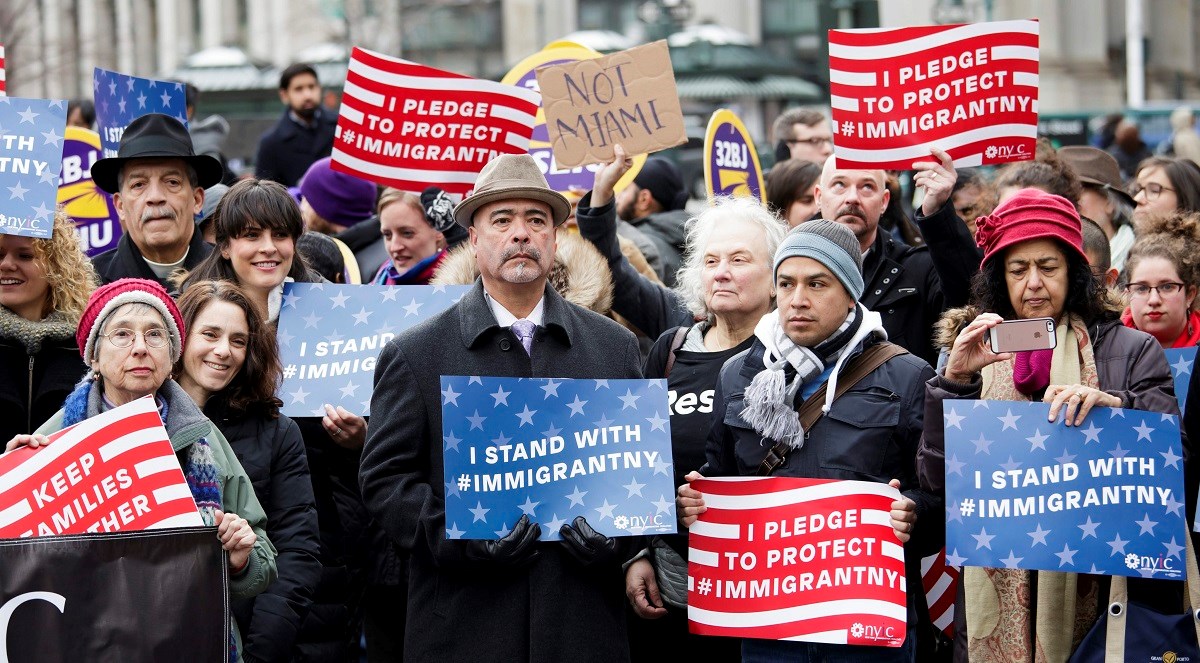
pixel 3 83
pixel 971 90
pixel 797 559
pixel 940 582
pixel 113 472
pixel 409 126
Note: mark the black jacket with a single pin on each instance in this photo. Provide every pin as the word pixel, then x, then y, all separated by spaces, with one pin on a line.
pixel 666 231
pixel 35 382
pixel 288 149
pixel 272 454
pixel 126 261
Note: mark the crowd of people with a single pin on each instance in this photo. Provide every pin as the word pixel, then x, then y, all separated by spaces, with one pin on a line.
pixel 814 335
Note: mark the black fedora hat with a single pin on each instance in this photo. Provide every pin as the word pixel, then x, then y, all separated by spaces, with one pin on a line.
pixel 155 136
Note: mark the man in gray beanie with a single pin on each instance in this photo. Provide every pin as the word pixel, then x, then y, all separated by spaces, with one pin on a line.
pixel 869 432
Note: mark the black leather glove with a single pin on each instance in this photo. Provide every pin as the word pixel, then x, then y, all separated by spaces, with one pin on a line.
pixel 586 545
pixel 518 548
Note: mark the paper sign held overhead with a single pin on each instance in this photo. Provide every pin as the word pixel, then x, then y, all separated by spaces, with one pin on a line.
pixel 121 99
pixel 31 143
pixel 731 166
pixel 628 98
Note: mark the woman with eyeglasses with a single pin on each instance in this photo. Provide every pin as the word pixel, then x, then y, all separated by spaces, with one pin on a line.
pixel 1164 185
pixel 1163 269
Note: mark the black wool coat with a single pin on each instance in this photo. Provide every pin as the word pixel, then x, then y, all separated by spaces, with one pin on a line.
pixel 126 261
pixel 34 385
pixel 288 149
pixel 553 610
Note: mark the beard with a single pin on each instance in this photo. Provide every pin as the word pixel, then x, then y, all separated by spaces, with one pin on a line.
pixel 306 113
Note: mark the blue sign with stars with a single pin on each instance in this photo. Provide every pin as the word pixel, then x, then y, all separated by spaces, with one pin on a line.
pixel 121 99
pixel 554 449
pixel 1181 361
pixel 1026 493
pixel 31 147
pixel 330 336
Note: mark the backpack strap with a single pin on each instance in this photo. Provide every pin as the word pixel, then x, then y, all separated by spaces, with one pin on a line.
pixel 810 412
pixel 676 343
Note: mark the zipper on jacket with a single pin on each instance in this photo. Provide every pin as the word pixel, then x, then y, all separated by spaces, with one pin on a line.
pixel 29 410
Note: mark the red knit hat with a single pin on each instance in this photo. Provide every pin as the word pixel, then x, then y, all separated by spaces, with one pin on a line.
pixel 108 298
pixel 1029 214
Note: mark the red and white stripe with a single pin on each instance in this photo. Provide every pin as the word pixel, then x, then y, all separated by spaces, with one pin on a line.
pixel 377 86
pixel 737 511
pixel 129 438
pixel 3 84
pixel 940 581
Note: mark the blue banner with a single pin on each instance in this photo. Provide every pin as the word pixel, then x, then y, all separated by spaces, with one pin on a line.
pixel 554 449
pixel 121 99
pixel 31 147
pixel 1181 361
pixel 1026 493
pixel 330 335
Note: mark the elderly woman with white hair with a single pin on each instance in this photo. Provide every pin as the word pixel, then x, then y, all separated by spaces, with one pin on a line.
pixel 725 283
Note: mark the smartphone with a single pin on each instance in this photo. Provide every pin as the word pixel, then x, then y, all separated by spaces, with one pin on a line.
pixel 1023 335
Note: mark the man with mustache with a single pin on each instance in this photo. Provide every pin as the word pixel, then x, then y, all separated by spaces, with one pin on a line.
pixel 514 598
pixel 909 287
pixel 157 182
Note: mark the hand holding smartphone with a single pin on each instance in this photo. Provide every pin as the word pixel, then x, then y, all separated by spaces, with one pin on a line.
pixel 1023 335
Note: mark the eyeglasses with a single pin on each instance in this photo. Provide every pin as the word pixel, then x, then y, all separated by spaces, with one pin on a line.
pixel 1142 290
pixel 1153 190
pixel 816 141
pixel 123 338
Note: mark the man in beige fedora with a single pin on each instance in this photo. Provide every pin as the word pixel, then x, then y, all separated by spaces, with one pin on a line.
pixel 1103 199
pixel 514 598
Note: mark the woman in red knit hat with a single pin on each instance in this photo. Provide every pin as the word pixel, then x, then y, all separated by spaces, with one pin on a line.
pixel 1034 266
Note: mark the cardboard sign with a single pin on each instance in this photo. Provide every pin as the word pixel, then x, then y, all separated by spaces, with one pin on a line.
pixel 121 99
pixel 410 126
pixel 91 209
pixel 554 449
pixel 330 335
pixel 971 90
pixel 627 97
pixel 1181 360
pixel 731 166
pixel 31 142
pixel 115 471
pixel 797 559
pixel 1026 493
pixel 562 180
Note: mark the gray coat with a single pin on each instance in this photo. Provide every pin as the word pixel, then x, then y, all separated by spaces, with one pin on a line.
pixel 553 610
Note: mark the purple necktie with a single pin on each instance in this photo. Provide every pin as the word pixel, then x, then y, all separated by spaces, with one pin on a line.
pixel 523 330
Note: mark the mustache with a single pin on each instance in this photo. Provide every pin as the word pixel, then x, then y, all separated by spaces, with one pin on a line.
pixel 512 252
pixel 851 210
pixel 160 212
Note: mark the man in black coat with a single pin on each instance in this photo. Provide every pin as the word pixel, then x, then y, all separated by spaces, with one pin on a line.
pixel 157 182
pixel 302 136
pixel 512 599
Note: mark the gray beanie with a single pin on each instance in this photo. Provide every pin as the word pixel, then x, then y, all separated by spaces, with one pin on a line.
pixel 829 243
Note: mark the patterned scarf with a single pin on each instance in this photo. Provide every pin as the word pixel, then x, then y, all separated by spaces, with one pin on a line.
pixel 1001 603
pixel 54 327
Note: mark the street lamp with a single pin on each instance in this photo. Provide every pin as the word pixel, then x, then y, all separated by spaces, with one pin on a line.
pixel 663 17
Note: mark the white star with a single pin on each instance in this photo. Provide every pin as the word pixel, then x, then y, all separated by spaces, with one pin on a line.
pixel 576 497
pixel 634 488
pixel 1038 440
pixel 17 192
pixel 1118 452
pixel 552 431
pixel 980 404
pixel 501 439
pixel 285 338
pixel 311 320
pixel 629 400
pixel 129 82
pixel 47 176
pixel 453 532
pixel 1143 431
pixel 603 422
pixel 479 512
pixel 605 510
pixel 451 441
pixel 1146 524
pixel 954 465
pixel 41 211
pixel 475 379
pixel 1067 556
pixel 299 395
pixel 1088 529
pixel 413 308
pixel 526 416
pixel 141 99
pixel 339 300
pixel 166 99
pixel 555 523
pixel 1172 505
pixel 601 383
pixel 954 559
pixel 1116 412
pixel 576 406
pixel 551 388
pixel 1011 464
pixel 361 317
pixel 501 396
pixel 1173 549
pixel 503 531
pixel 28 116
pixel 1010 420
pixel 1012 560
pixel 953 419
pixel 1038 535
pixel 1091 433
pixel 450 395
pixel 349 389
pixel 52 138
pixel 290 299
pixel 121 105
pixel 662 467
pixel 982 445
pixel 476 421
pixel 389 293
pixel 452 489
pixel 529 508
pixel 112 88
pixel 657 422
pixel 335 337
pixel 1117 545
pixel 1182 366
pixel 983 539
pixel 662 505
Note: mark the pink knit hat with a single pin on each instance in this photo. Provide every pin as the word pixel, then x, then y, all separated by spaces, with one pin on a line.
pixel 1029 214
pixel 110 297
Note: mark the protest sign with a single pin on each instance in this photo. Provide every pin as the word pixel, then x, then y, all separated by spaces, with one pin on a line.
pixel 130 596
pixel 731 166
pixel 121 99
pixel 410 126
pixel 628 97
pixel 1026 493
pixel 554 449
pixel 31 142
pixel 330 335
pixel 563 180
pixel 91 209
pixel 940 582
pixel 1181 361
pixel 971 90
pixel 3 84
pixel 797 559
pixel 114 471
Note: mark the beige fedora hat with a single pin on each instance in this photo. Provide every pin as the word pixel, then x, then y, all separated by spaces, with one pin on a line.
pixel 510 176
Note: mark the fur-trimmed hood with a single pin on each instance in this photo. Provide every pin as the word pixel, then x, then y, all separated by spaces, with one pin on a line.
pixel 580 274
